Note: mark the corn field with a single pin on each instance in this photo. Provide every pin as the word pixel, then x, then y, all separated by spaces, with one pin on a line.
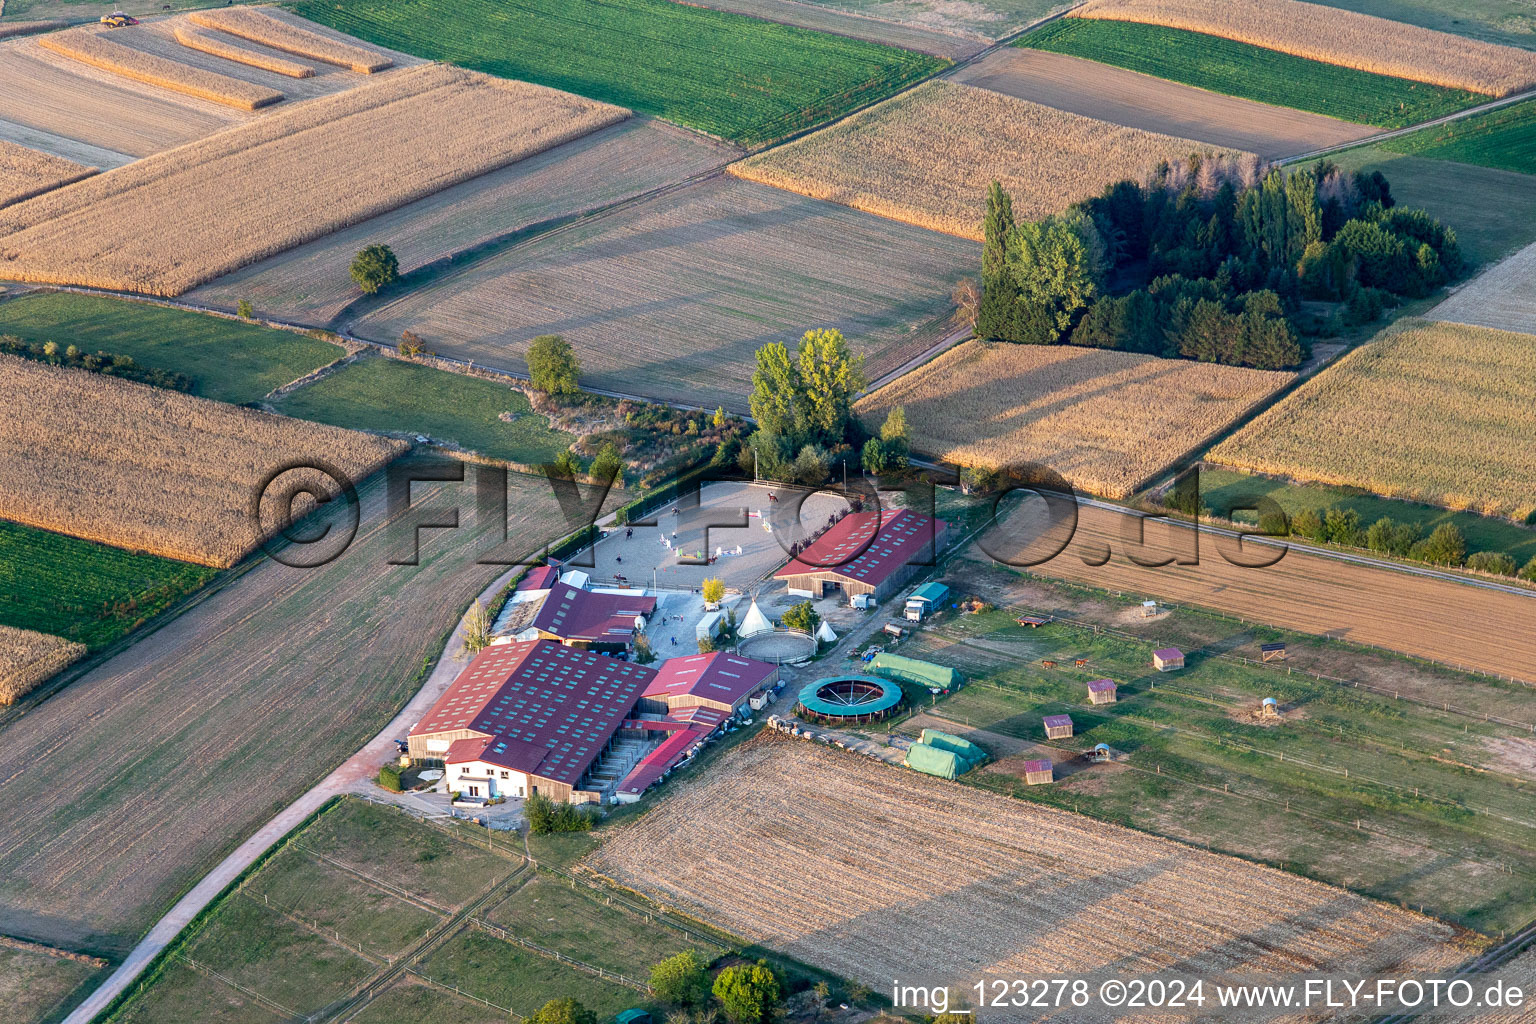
pixel 1335 36
pixel 215 44
pixel 25 173
pixel 260 25
pixel 92 46
pixel 170 222
pixel 1107 421
pixel 154 470
pixel 27 658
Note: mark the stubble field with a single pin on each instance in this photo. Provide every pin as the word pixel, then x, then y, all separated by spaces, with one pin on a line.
pixel 158 471
pixel 312 283
pixel 987 19
pixel 1114 94
pixel 122 785
pixel 25 173
pixel 926 158
pixel 1502 297
pixel 1107 421
pixel 669 298
pixel 1339 37
pixel 1433 412
pixel 170 222
pixel 990 885
pixel 27 658
pixel 843 21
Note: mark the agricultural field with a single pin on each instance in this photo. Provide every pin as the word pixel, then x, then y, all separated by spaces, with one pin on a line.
pixel 98 48
pixel 926 158
pixel 119 783
pixel 1345 785
pixel 1107 421
pixel 228 360
pixel 987 19
pixel 1113 94
pixel 1334 36
pixel 670 297
pixel 1456 194
pixel 158 471
pixel 1504 139
pixel 739 78
pixel 1500 297
pixel 311 283
pixel 269 28
pixel 390 395
pixel 1403 424
pixel 844 21
pixel 36 983
pixel 1235 68
pixel 28 658
pixel 1001 881
pixel 165 224
pixel 1508 22
pixel 1462 625
pixel 25 173
pixel 1222 488
pixel 86 592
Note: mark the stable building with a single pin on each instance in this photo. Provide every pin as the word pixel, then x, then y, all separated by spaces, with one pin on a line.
pixel 873 553
pixel 595 620
pixel 1101 691
pixel 1058 727
pixel 1168 659
pixel 720 680
pixel 1038 773
pixel 528 717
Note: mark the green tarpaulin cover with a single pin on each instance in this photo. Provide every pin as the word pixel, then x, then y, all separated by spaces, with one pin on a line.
pixel 933 761
pixel 919 673
pixel 964 749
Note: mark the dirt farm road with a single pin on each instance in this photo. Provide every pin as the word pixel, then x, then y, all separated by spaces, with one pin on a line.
pixel 361 765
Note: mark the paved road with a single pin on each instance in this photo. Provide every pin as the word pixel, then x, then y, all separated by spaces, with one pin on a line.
pixel 357 768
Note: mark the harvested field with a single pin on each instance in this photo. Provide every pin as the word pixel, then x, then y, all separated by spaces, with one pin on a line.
pixel 1432 412
pixel 992 885
pixel 1461 625
pixel 927 157
pixel 25 28
pixel 267 27
pixel 170 222
pixel 49 93
pixel 669 298
pixel 218 45
pixel 92 46
pixel 988 19
pixel 312 283
pixel 28 658
pixel 117 787
pixel 36 985
pixel 1339 37
pixel 1107 93
pixel 152 470
pixel 939 42
pixel 1503 296
pixel 25 173
pixel 1107 421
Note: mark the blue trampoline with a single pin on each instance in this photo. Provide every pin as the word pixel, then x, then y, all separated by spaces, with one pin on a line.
pixel 849 699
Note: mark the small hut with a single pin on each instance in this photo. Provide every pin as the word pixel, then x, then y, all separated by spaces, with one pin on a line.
pixel 1101 691
pixel 1038 772
pixel 1269 708
pixel 1168 659
pixel 1058 727
pixel 1101 753
pixel 1148 609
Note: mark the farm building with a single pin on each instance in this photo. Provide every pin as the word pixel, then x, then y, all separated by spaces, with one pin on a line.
pixel 719 680
pixel 1039 772
pixel 865 553
pixel 1102 691
pixel 1167 659
pixel 1058 727
pixel 528 717
pixel 926 600
pixel 1269 707
pixel 911 670
pixel 603 622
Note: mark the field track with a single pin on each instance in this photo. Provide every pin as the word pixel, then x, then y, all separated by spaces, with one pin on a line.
pixel 1503 296
pixel 669 297
pixel 876 860
pixel 1155 105
pixel 1470 627
pixel 119 781
pixel 312 284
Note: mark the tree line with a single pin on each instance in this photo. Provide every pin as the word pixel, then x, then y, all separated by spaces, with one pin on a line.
pixel 1228 252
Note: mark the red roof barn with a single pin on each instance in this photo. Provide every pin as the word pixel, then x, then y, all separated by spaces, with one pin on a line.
pixel 866 553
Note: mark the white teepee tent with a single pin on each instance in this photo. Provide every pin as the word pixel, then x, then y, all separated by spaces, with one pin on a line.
pixel 825 633
pixel 754 623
